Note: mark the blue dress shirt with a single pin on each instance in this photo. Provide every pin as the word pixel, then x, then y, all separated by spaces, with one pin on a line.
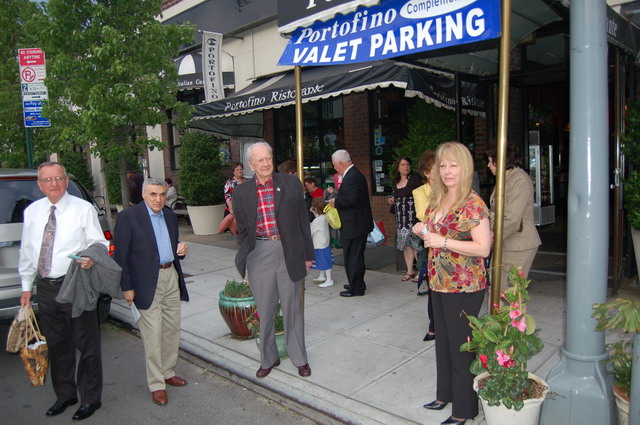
pixel 162 235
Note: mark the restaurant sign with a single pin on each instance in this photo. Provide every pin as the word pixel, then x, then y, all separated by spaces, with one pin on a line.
pixel 393 28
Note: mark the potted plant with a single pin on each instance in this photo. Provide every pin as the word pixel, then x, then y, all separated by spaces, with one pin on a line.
pixel 503 344
pixel 236 305
pixel 631 184
pixel 201 181
pixel 253 323
pixel 624 314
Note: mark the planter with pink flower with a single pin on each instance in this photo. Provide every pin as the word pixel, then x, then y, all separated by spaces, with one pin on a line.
pixel 503 343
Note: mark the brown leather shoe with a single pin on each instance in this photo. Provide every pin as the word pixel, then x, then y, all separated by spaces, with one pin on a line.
pixel 304 370
pixel 261 373
pixel 160 397
pixel 176 381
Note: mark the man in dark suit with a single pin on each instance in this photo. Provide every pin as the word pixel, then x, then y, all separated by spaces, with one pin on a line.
pixel 353 205
pixel 147 249
pixel 275 251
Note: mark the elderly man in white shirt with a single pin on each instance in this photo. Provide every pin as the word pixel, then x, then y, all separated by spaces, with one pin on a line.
pixel 54 227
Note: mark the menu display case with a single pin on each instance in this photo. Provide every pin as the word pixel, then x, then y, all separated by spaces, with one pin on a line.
pixel 541 172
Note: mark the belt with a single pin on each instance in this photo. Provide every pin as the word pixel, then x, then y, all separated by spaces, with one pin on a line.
pixel 166 265
pixel 53 281
pixel 268 238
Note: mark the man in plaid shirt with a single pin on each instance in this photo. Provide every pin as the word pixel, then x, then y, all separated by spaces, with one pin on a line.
pixel 275 251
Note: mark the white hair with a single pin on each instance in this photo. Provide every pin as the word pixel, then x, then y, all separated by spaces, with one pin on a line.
pixel 341 155
pixel 250 149
pixel 153 181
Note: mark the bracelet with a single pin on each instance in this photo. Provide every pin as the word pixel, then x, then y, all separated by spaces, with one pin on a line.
pixel 445 243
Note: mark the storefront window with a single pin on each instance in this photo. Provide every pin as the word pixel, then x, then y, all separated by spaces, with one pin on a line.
pixel 323 134
pixel 389 116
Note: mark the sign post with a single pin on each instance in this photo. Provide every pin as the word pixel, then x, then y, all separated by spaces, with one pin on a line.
pixel 32 74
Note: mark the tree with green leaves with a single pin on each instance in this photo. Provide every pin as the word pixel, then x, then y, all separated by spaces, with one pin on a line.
pixel 110 73
pixel 18 22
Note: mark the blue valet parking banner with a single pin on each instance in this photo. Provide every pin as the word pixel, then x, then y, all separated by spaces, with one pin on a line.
pixel 393 28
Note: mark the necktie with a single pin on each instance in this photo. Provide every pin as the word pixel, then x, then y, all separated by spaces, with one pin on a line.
pixel 46 250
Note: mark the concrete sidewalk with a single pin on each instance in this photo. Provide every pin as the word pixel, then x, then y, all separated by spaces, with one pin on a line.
pixel 370 365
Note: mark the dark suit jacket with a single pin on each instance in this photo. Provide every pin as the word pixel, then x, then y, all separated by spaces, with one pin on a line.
pixel 137 253
pixel 291 216
pixel 353 206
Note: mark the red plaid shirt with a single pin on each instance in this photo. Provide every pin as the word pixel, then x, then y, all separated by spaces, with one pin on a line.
pixel 266 218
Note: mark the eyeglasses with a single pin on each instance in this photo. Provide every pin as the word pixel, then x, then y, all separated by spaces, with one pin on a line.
pixel 48 180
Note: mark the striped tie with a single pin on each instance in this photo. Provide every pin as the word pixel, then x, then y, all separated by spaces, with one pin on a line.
pixel 46 250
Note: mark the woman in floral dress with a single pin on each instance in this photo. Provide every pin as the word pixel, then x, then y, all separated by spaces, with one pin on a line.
pixel 457 230
pixel 403 204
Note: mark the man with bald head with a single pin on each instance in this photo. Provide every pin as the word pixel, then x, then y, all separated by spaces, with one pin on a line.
pixel 275 251
pixel 54 227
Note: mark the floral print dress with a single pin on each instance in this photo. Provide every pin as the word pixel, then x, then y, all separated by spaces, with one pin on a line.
pixel 449 271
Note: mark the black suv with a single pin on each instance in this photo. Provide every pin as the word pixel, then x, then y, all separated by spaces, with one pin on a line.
pixel 18 189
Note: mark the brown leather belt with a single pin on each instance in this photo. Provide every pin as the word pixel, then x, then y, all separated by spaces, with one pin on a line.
pixel 268 238
pixel 166 265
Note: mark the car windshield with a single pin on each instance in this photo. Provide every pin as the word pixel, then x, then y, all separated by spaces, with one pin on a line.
pixel 16 195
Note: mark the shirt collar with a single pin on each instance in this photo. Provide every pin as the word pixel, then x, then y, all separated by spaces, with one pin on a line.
pixel 62 203
pixel 151 213
pixel 267 184
pixel 347 170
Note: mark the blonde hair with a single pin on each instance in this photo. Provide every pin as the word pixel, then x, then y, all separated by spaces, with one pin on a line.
pixel 453 151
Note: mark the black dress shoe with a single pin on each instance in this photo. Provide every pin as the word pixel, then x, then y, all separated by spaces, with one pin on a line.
pixel 58 407
pixel 429 337
pixel 451 421
pixel 86 410
pixel 434 405
pixel 351 294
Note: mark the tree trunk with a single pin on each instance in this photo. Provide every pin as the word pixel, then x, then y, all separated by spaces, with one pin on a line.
pixel 122 170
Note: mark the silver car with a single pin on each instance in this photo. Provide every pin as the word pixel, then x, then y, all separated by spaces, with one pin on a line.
pixel 18 189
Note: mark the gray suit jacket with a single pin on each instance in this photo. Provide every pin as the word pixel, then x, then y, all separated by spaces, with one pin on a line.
pixel 82 287
pixel 291 217
pixel 519 231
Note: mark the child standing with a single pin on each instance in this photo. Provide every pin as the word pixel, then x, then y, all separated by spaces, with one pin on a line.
pixel 321 243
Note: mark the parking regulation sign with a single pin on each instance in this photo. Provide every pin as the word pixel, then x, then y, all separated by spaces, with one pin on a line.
pixel 34 92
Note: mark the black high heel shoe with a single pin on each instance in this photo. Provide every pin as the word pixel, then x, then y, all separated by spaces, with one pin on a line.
pixel 429 337
pixel 434 405
pixel 451 421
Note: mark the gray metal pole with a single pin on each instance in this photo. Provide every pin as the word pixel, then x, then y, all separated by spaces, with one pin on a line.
pixel 582 385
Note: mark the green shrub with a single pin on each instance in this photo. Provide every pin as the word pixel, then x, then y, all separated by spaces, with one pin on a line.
pixel 201 179
pixel 429 126
pixel 631 149
pixel 235 289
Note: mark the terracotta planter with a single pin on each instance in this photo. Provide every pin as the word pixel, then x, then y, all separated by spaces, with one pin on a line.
pixel 500 415
pixel 622 401
pixel 235 312
pixel 281 343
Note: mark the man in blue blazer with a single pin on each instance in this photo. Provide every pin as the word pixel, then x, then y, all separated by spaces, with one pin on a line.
pixel 147 249
pixel 354 208
pixel 275 251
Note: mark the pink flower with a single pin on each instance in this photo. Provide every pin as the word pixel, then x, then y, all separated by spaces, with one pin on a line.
pixel 514 314
pixel 520 272
pixel 483 360
pixel 520 324
pixel 462 276
pixel 504 359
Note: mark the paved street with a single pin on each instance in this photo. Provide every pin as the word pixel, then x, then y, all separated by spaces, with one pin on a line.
pixel 208 399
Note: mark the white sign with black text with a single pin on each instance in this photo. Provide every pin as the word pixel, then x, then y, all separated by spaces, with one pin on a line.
pixel 211 69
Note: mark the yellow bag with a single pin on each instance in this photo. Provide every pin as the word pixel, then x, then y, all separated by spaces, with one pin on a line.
pixel 35 357
pixel 333 218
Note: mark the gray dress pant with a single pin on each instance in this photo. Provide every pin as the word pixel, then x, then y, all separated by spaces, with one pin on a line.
pixel 269 281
